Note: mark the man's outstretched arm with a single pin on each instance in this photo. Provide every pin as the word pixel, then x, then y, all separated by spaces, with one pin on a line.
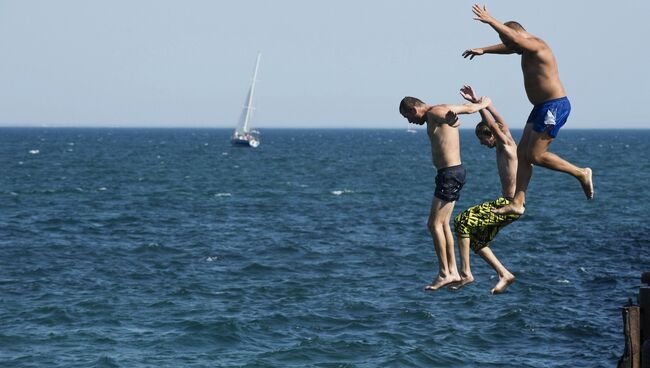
pixel 499 48
pixel 489 115
pixel 470 108
pixel 507 33
pixel 448 114
pixel 467 92
pixel 499 119
pixel 497 125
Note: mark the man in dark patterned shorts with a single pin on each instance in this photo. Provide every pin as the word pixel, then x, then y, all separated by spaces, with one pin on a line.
pixel 442 128
pixel 477 226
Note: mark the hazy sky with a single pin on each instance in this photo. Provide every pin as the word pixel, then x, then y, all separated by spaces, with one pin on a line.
pixel 324 63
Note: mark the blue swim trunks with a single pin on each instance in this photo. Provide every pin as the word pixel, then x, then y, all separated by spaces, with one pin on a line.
pixel 550 115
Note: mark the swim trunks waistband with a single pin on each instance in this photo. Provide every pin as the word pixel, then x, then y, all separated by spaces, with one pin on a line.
pixel 449 168
pixel 552 101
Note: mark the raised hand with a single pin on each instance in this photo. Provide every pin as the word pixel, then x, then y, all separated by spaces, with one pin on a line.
pixel 473 52
pixel 468 93
pixel 484 101
pixel 482 14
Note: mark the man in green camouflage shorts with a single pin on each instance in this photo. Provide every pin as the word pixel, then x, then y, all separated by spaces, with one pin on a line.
pixel 477 226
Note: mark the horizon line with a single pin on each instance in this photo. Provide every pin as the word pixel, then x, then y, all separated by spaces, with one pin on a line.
pixel 263 128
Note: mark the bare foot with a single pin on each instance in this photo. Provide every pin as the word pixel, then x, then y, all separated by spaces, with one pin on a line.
pixel 441 281
pixel 464 280
pixel 503 284
pixel 509 209
pixel 587 184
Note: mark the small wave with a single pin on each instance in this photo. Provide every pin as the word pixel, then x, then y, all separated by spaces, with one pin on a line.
pixel 212 259
pixel 106 362
pixel 224 194
pixel 603 280
pixel 564 281
pixel 51 315
pixel 34 152
pixel 256 268
pixel 162 304
pixel 293 184
pixel 154 247
pixel 340 192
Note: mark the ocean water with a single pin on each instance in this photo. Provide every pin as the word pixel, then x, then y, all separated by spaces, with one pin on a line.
pixel 169 248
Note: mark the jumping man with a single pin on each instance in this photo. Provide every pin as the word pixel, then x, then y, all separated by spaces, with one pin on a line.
pixel 551 106
pixel 477 226
pixel 442 128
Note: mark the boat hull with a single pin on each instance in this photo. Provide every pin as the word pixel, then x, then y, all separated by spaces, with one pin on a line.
pixel 239 142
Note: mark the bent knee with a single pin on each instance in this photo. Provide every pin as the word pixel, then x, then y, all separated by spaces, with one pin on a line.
pixel 536 158
pixel 435 226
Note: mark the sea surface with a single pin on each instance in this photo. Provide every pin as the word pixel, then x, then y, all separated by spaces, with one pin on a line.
pixel 170 248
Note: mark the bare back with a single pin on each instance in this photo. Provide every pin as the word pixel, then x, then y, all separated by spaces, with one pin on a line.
pixel 445 141
pixel 541 76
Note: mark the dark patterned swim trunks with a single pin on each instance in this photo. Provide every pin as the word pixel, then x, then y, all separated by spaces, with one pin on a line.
pixel 480 225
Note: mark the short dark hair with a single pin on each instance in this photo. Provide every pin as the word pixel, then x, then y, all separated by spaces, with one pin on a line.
pixel 409 103
pixel 482 129
pixel 514 25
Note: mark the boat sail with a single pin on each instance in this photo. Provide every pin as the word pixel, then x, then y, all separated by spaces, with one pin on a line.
pixel 243 136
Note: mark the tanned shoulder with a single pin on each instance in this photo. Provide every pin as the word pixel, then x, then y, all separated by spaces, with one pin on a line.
pixel 436 114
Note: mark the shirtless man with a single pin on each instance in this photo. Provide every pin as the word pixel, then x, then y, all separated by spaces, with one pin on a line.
pixel 442 128
pixel 477 226
pixel 546 93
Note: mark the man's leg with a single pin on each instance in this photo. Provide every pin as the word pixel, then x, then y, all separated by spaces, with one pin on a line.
pixel 440 212
pixel 449 238
pixel 505 277
pixel 466 276
pixel 536 146
pixel 524 173
pixel 539 155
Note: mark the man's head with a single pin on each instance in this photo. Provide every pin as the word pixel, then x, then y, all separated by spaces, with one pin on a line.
pixel 485 135
pixel 413 110
pixel 518 28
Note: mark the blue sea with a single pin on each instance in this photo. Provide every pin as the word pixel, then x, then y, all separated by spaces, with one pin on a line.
pixel 170 248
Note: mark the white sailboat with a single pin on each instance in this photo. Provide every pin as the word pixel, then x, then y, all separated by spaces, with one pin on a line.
pixel 243 135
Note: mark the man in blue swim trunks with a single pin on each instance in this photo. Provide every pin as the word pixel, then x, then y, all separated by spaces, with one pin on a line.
pixel 546 93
